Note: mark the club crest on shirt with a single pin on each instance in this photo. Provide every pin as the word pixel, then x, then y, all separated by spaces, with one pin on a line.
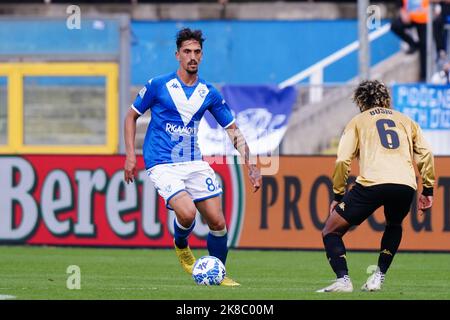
pixel 342 206
pixel 202 93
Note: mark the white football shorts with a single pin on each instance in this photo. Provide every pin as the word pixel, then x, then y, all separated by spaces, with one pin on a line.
pixel 195 177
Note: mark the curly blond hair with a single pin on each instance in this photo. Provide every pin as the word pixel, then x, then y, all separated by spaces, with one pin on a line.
pixel 372 94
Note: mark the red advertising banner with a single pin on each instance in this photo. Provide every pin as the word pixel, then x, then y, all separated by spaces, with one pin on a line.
pixel 83 200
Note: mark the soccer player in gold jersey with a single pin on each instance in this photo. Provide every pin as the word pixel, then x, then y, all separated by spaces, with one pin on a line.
pixel 386 143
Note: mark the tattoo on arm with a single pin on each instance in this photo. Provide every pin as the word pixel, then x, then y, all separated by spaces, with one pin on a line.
pixel 240 144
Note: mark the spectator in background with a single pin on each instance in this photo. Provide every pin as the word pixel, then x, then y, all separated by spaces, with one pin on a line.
pixel 414 14
pixel 443 63
pixel 442 18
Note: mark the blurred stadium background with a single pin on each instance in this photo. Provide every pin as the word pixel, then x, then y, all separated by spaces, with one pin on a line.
pixel 68 74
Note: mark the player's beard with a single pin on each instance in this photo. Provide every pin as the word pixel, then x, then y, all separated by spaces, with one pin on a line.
pixel 190 71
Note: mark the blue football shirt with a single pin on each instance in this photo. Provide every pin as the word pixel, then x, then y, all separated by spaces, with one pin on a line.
pixel 176 110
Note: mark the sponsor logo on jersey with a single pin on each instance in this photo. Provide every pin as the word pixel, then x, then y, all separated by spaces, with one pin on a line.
pixel 182 130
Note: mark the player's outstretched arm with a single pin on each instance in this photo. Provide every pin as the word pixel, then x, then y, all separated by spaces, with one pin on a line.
pixel 129 136
pixel 238 140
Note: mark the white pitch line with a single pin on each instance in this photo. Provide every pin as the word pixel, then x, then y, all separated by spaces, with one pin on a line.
pixel 6 297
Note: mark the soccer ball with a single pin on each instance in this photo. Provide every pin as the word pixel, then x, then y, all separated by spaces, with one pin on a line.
pixel 208 271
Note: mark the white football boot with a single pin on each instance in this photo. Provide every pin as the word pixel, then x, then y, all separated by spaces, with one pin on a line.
pixel 343 284
pixel 374 282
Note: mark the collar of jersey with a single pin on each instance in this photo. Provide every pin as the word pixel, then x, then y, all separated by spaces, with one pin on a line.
pixel 184 84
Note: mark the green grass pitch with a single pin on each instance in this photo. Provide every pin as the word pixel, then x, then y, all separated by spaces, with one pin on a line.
pixel 40 273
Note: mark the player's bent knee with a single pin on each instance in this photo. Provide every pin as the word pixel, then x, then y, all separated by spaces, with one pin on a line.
pixel 186 216
pixel 328 228
pixel 337 233
pixel 335 224
pixel 218 225
pixel 186 221
pixel 332 228
pixel 326 232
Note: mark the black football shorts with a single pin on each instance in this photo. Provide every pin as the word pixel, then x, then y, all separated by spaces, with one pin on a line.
pixel 360 202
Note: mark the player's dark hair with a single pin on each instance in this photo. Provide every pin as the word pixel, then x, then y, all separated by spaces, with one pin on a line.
pixel 188 34
pixel 372 94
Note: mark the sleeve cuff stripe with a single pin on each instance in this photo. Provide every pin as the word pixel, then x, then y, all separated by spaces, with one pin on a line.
pixel 137 111
pixel 232 121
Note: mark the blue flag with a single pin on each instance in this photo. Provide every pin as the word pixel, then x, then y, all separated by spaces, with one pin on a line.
pixel 262 114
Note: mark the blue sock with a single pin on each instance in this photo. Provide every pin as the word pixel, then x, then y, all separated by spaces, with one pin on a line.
pixel 217 244
pixel 181 233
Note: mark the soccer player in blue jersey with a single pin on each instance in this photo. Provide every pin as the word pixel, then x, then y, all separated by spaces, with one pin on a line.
pixel 177 102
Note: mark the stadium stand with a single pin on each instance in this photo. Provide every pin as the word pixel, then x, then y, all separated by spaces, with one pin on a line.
pixel 145 13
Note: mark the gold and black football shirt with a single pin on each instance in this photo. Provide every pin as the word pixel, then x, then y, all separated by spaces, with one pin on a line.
pixel 387 143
